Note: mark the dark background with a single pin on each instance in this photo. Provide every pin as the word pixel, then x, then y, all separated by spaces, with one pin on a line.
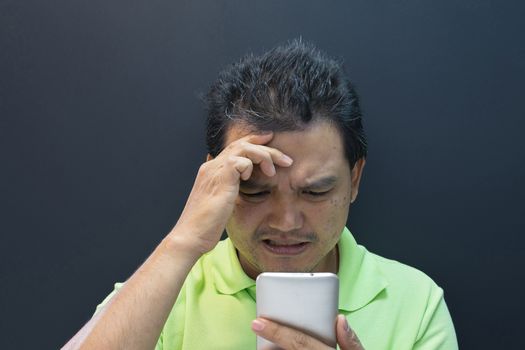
pixel 102 134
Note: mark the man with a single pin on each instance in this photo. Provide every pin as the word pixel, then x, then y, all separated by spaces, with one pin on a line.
pixel 286 154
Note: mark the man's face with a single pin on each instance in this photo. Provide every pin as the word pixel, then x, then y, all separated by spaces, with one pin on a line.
pixel 291 222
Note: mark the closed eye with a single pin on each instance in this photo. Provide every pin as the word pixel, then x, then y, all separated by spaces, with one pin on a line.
pixel 316 193
pixel 255 194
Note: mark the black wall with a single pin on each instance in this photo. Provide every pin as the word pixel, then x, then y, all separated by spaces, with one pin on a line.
pixel 101 134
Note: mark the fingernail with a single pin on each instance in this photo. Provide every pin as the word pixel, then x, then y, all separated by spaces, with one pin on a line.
pixel 257 325
pixel 287 159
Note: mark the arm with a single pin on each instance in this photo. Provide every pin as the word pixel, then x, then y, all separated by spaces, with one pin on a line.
pixel 134 317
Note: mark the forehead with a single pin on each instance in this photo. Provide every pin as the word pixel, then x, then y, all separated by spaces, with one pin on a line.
pixel 316 150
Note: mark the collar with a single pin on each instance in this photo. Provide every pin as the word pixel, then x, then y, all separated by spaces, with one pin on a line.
pixel 360 279
pixel 228 275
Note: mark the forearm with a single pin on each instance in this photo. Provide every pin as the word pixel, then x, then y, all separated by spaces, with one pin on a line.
pixel 134 317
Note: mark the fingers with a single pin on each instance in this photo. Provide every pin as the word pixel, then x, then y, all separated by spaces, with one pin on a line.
pixel 259 139
pixel 346 337
pixel 252 147
pixel 244 166
pixel 266 157
pixel 285 337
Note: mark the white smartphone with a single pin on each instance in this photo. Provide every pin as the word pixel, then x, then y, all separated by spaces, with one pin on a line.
pixel 304 301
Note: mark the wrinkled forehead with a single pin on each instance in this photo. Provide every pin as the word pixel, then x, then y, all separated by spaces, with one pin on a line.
pixel 316 150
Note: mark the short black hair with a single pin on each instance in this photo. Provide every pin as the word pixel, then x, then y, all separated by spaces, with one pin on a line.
pixel 285 89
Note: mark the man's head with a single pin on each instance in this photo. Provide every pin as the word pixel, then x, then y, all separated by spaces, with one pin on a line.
pixel 290 221
pixel 285 89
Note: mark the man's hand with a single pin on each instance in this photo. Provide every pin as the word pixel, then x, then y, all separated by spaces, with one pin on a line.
pixel 134 317
pixel 289 338
pixel 212 199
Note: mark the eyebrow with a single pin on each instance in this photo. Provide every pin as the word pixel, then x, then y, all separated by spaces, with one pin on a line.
pixel 324 182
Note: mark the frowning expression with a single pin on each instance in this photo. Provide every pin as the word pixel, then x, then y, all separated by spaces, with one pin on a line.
pixel 292 221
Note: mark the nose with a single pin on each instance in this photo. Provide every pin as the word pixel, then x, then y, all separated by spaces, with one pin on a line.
pixel 286 215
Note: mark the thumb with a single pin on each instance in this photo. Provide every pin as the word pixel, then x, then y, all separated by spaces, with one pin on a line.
pixel 346 337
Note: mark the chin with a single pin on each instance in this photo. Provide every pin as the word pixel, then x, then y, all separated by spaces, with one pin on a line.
pixel 287 268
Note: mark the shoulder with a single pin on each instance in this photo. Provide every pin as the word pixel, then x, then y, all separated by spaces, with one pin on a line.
pixel 417 294
pixel 407 283
pixel 402 275
pixel 410 288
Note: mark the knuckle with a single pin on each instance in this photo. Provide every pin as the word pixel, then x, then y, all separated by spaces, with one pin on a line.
pixel 275 152
pixel 277 333
pixel 203 168
pixel 239 144
pixel 268 156
pixel 354 340
pixel 264 159
pixel 231 160
pixel 300 341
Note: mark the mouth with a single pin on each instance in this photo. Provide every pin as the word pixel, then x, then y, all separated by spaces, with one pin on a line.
pixel 283 247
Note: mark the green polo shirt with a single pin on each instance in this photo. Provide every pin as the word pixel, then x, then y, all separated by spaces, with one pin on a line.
pixel 388 304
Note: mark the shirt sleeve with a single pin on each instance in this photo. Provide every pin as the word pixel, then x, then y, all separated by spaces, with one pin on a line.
pixel 106 300
pixel 437 330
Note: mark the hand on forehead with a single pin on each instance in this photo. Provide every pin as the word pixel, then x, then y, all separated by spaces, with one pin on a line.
pixel 319 142
pixel 317 153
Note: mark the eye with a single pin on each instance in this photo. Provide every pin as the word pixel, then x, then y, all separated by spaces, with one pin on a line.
pixel 255 196
pixel 316 193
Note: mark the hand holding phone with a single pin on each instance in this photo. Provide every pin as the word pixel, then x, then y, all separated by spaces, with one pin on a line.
pixel 305 301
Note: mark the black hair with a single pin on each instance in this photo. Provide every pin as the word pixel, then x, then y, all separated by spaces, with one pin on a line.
pixel 285 89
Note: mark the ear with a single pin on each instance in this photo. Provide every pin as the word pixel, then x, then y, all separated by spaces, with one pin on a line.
pixel 355 178
pixel 208 157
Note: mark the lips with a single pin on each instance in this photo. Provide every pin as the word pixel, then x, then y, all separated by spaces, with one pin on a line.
pixel 285 247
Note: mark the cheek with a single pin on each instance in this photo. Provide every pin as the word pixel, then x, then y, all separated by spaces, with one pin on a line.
pixel 335 214
pixel 245 216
